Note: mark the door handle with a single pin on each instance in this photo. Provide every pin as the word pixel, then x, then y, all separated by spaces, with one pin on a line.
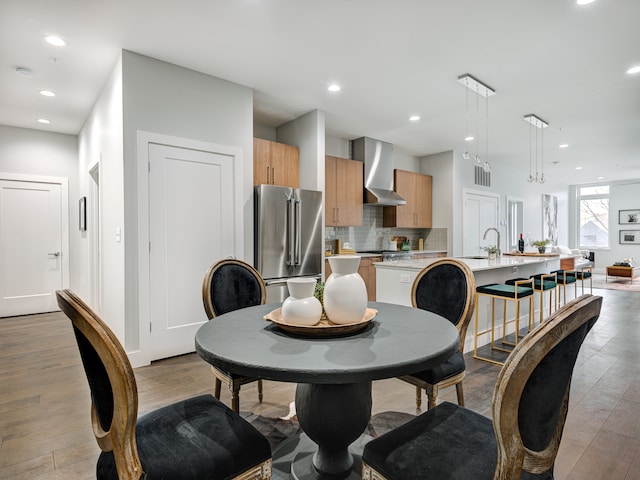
pixel 54 254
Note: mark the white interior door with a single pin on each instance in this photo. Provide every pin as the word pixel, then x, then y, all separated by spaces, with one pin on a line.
pixel 31 257
pixel 480 213
pixel 191 215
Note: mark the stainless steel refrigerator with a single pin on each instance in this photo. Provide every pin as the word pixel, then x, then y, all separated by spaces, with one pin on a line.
pixel 288 236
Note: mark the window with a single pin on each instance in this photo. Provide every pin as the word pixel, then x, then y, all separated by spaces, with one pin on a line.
pixel 594 216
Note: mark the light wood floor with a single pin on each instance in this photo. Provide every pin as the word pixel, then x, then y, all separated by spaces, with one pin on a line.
pixel 45 430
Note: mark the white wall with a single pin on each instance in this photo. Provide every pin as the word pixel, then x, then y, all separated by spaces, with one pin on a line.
pixel 163 98
pixel 100 140
pixel 307 133
pixel 34 152
pixel 440 167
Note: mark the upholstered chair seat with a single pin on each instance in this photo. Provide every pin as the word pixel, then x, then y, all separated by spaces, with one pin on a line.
pixel 196 439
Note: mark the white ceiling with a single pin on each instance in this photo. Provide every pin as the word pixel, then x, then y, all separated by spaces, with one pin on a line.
pixel 563 62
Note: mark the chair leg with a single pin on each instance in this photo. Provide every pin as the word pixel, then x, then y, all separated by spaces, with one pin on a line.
pixel 216 389
pixel 235 399
pixel 260 391
pixel 432 393
pixel 418 397
pixel 460 393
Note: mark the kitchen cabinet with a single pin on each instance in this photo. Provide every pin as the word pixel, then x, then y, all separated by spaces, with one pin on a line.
pixel 275 163
pixel 366 270
pixel 416 189
pixel 344 180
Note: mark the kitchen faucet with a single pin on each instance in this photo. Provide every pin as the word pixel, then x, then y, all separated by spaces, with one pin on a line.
pixel 484 237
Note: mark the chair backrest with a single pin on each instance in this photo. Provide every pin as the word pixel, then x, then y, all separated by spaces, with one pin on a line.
pixel 531 398
pixel 229 285
pixel 447 287
pixel 114 395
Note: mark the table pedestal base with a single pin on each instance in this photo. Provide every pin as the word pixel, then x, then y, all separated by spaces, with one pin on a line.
pixel 293 459
pixel 333 417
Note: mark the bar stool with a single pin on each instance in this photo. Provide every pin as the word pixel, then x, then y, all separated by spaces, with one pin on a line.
pixel 564 278
pixel 582 275
pixel 542 282
pixel 516 292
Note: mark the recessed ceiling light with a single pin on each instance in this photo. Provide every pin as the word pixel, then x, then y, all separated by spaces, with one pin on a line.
pixel 600 178
pixel 584 2
pixel 633 70
pixel 55 40
pixel 469 139
pixel 414 118
pixel 578 168
pixel 47 93
pixel 564 145
pixel 334 88
pixel 43 120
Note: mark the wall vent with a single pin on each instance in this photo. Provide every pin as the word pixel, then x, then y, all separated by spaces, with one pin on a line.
pixel 483 177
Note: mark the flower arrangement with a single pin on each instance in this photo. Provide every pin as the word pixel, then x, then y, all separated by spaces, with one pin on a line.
pixel 541 245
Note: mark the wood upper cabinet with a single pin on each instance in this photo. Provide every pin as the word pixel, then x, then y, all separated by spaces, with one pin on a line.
pixel 275 163
pixel 343 190
pixel 416 189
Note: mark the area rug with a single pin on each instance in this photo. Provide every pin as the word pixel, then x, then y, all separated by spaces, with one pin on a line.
pixel 279 429
pixel 614 283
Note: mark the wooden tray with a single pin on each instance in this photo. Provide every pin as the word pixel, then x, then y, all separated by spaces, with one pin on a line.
pixel 324 328
pixel 532 254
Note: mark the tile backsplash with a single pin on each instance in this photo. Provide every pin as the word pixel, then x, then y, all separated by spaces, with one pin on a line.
pixel 373 236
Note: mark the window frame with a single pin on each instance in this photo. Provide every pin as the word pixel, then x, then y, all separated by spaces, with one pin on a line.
pixel 595 196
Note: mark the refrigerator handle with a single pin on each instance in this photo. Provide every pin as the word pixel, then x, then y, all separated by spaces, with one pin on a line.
pixel 291 232
pixel 298 232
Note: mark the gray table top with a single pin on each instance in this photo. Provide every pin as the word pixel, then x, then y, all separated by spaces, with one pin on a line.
pixel 398 341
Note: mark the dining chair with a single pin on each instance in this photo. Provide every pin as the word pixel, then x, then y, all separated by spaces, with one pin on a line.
pixel 446 287
pixel 195 438
pixel 229 285
pixel 530 406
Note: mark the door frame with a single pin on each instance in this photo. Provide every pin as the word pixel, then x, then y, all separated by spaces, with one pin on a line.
pixel 465 193
pixel 142 356
pixel 95 235
pixel 64 213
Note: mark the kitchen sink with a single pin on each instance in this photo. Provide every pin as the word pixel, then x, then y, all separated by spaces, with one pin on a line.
pixel 476 257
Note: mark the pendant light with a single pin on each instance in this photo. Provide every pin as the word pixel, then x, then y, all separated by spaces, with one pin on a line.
pixel 481 90
pixel 540 125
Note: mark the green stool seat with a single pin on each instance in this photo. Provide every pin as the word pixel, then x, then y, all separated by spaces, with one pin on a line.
pixel 502 290
pixel 542 282
pixel 506 292
pixel 585 273
pixel 564 278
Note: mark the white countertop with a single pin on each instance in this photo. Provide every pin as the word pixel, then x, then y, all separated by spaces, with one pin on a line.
pixel 475 264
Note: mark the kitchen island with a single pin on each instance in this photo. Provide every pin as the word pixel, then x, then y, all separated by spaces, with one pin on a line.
pixel 394 280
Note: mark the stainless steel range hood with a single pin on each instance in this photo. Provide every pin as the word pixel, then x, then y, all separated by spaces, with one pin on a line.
pixel 378 171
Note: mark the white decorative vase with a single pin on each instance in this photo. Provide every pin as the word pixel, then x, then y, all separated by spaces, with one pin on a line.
pixel 345 294
pixel 301 307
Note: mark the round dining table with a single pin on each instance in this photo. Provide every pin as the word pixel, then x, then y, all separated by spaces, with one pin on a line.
pixel 333 373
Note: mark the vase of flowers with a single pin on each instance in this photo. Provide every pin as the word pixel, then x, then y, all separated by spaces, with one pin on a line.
pixel 541 245
pixel 492 251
